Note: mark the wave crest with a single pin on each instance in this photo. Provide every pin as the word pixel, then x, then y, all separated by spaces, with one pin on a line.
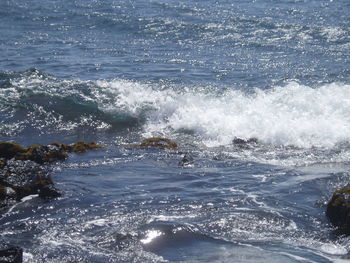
pixel 293 114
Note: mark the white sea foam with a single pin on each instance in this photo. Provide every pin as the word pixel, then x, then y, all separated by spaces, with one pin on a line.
pixel 293 114
pixel 290 115
pixel 333 249
pixel 28 257
pixel 131 97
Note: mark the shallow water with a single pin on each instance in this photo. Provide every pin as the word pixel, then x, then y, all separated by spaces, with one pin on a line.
pixel 202 73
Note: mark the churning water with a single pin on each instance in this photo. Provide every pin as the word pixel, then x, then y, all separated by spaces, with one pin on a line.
pixel 201 73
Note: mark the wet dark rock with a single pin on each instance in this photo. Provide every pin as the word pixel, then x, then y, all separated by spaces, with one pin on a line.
pixel 48 192
pixel 42 154
pixel 186 160
pixel 338 210
pixel 7 192
pixel 24 178
pixel 244 143
pixel 9 150
pixel 62 146
pixel 81 147
pixel 11 254
pixel 78 147
pixel 22 172
pixel 157 142
pixel 239 141
pixel 37 153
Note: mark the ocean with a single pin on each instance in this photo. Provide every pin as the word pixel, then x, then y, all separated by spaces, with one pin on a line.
pixel 204 74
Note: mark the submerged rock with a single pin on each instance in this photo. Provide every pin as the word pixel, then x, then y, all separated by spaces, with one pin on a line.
pixel 157 142
pixel 338 210
pixel 11 254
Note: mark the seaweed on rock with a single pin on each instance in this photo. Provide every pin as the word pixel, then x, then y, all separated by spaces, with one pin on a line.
pixel 37 153
pixel 22 178
pixel 43 153
pixel 22 172
pixel 338 210
pixel 157 142
pixel 78 147
pixel 81 147
pixel 9 150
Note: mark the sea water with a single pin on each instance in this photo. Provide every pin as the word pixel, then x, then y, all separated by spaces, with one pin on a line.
pixel 202 73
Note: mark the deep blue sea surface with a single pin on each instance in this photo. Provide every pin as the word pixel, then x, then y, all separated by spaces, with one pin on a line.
pixel 201 73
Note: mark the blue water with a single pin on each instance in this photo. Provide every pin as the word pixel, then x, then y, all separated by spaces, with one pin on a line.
pixel 201 73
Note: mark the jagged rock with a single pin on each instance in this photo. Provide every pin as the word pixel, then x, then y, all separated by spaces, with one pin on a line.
pixel 11 254
pixel 24 178
pixel 338 210
pixel 157 142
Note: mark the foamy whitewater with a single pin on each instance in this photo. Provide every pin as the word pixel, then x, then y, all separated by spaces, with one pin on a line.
pixel 294 114
pixel 207 75
pixel 288 115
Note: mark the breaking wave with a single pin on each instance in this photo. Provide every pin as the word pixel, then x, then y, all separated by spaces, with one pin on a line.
pixel 293 114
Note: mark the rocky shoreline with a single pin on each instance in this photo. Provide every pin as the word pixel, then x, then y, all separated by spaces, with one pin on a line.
pixel 25 171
